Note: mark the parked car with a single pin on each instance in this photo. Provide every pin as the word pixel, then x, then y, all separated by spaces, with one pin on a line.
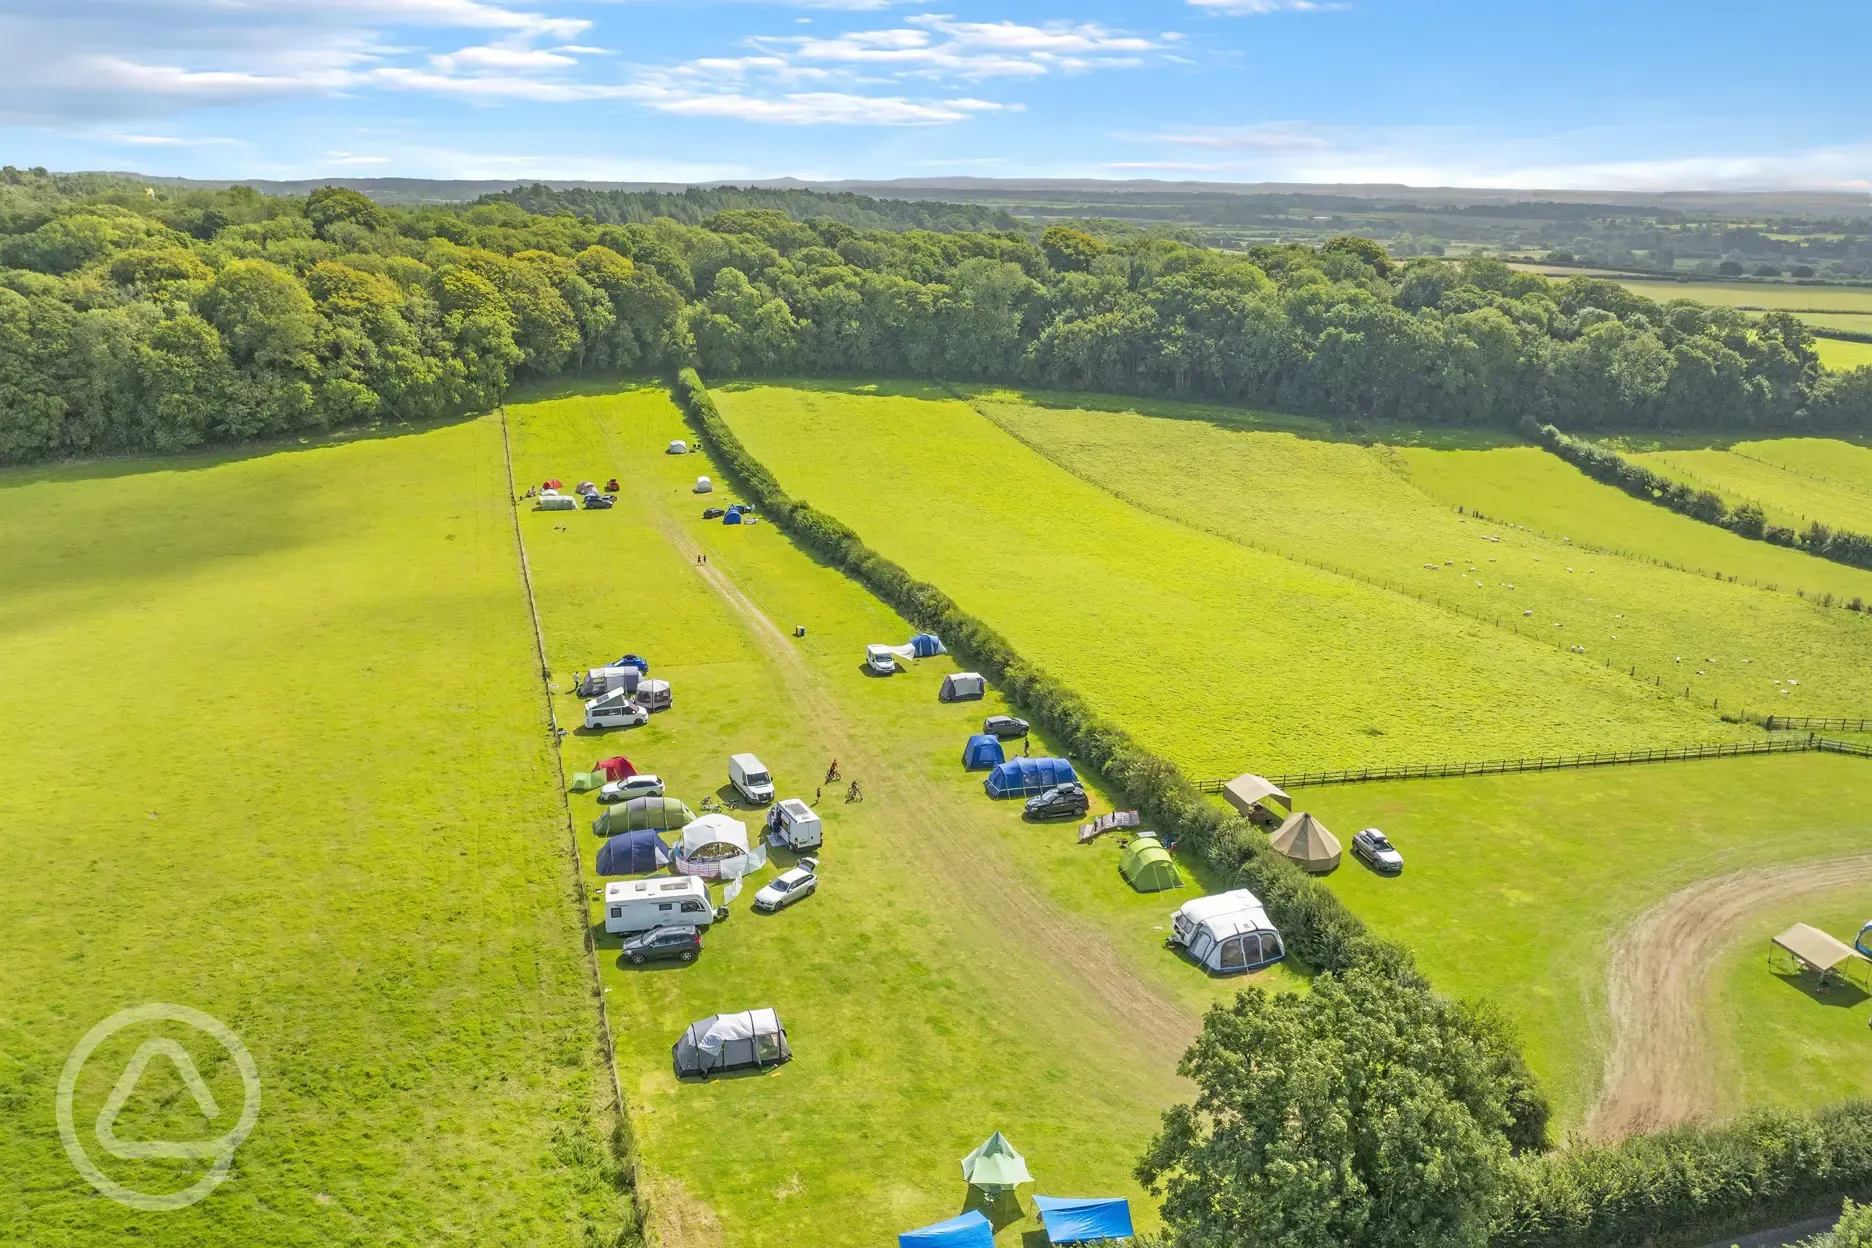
pixel 713 513
pixel 1004 726
pixel 599 502
pixel 629 787
pixel 1062 801
pixel 880 659
pixel 788 887
pixel 681 943
pixel 614 710
pixel 1377 851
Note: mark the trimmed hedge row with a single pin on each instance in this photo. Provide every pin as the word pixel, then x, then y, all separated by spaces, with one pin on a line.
pixel 1603 464
pixel 1316 925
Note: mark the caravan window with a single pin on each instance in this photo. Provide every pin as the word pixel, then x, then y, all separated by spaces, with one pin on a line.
pixel 693 907
pixel 666 905
pixel 1235 953
pixel 617 912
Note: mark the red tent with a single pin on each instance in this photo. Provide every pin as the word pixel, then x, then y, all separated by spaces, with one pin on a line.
pixel 618 768
pixel 612 485
pixel 552 484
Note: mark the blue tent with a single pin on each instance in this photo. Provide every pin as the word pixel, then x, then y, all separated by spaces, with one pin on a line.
pixel 1024 777
pixel 732 516
pixel 926 645
pixel 971 1230
pixel 981 751
pixel 633 853
pixel 1078 1220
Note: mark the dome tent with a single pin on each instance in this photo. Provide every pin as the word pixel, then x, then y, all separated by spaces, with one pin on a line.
pixel 616 767
pixel 926 645
pixel 1146 865
pixel 633 853
pixel 714 836
pixel 982 751
pixel 704 486
pixel 1025 777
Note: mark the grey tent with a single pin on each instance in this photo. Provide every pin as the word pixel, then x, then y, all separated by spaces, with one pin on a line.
pixel 962 686
pixel 659 814
pixel 724 1042
pixel 1245 791
pixel 1306 840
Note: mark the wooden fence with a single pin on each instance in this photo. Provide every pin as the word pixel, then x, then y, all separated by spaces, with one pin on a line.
pixel 1783 723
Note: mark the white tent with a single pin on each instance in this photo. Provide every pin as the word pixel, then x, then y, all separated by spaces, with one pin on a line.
pixel 703 485
pixel 678 447
pixel 1228 932
pixel 714 836
pixel 731 1042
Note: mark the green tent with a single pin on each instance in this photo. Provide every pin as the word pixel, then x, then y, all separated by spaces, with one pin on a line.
pixel 1146 866
pixel 586 781
pixel 995 1167
pixel 658 814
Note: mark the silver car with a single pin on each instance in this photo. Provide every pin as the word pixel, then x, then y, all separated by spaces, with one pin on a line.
pixel 788 887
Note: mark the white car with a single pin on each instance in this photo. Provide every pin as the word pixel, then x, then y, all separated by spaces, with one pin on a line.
pixel 1376 848
pixel 788 887
pixel 629 787
pixel 880 659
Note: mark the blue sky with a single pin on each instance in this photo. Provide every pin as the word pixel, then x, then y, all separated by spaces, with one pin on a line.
pixel 1640 94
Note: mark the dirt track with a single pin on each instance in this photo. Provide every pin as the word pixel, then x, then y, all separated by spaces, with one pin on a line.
pixel 1662 1067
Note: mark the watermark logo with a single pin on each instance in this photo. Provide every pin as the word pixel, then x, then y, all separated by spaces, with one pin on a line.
pixel 218 1151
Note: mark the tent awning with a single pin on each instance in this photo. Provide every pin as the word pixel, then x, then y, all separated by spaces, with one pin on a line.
pixel 1079 1220
pixel 1245 790
pixel 970 1230
pixel 1814 947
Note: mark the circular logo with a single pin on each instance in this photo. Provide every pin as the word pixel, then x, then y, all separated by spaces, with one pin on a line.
pixel 219 1150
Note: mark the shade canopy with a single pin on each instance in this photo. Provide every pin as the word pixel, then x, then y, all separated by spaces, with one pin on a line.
pixel 714 836
pixel 1245 790
pixel 1024 777
pixel 1814 947
pixel 1147 867
pixel 633 853
pixel 1306 840
pixel 981 751
pixel 1084 1219
pixel 970 1230
pixel 995 1166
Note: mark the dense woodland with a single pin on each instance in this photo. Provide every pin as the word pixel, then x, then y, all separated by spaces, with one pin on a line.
pixel 138 318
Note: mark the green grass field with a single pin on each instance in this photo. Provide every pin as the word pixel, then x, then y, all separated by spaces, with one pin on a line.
pixel 1846 464
pixel 1787 497
pixel 1769 295
pixel 959 972
pixel 1842 355
pixel 276 752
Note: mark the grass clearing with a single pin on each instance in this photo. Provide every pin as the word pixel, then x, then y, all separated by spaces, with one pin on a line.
pixel 275 752
pixel 922 1016
pixel 1786 497
pixel 1836 462
pixel 1842 355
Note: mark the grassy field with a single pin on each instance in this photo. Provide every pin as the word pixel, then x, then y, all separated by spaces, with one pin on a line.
pixel 959 972
pixel 305 789
pixel 1842 355
pixel 1835 462
pixel 1513 886
pixel 1787 497
pixel 1221 655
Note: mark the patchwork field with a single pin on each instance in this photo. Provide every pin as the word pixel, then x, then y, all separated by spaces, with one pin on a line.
pixel 1841 354
pixel 959 972
pixel 1787 497
pixel 275 751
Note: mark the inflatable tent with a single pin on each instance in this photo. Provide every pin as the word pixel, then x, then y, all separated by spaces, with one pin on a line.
pixel 969 1230
pixel 659 814
pixel 1146 866
pixel 1306 840
pixel 722 1042
pixel 1228 932
pixel 962 686
pixel 926 645
pixel 1025 777
pixel 678 447
pixel 633 853
pixel 1083 1220
pixel 982 751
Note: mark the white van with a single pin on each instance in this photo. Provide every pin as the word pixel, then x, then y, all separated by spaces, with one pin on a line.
pixel 750 778
pixel 881 659
pixel 664 901
pixel 614 710
pixel 607 680
pixel 792 824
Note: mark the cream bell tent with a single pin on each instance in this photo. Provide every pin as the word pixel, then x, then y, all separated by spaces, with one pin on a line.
pixel 1306 840
pixel 1245 791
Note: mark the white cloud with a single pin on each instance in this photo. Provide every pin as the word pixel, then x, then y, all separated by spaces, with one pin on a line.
pixel 936 46
pixel 1244 8
pixel 816 108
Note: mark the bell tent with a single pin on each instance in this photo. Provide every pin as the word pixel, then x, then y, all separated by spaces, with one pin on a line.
pixel 659 814
pixel 1082 1220
pixel 633 853
pixel 1146 866
pixel 995 1167
pixel 1306 840
pixel 962 687
pixel 968 1230
pixel 724 1042
pixel 1244 792
pixel 1025 777
pixel 982 751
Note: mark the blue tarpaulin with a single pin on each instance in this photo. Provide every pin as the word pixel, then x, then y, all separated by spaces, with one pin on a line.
pixel 926 645
pixel 971 1230
pixel 981 751
pixel 633 853
pixel 1079 1219
pixel 1024 777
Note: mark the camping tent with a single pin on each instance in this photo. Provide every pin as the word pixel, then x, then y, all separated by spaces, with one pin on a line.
pixel 1081 1220
pixel 616 767
pixel 731 1042
pixel 586 781
pixel 656 813
pixel 1024 777
pixel 995 1167
pixel 1244 791
pixel 969 1230
pixel 1306 840
pixel 1228 932
pixel 981 751
pixel 714 836
pixel 633 853
pixel 925 645
pixel 703 485
pixel 731 516
pixel 1146 866
pixel 678 447
pixel 960 686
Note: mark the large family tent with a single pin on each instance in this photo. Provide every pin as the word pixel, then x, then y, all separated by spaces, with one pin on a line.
pixel 962 687
pixel 633 853
pixel 659 814
pixel 616 767
pixel 926 645
pixel 995 1166
pixel 1228 932
pixel 1146 866
pixel 982 751
pixel 714 836
pixel 1024 777
pixel 724 1042
pixel 1084 1220
pixel 968 1230
pixel 1306 840
pixel 1245 792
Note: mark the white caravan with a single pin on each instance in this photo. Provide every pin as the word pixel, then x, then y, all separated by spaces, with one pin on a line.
pixel 663 901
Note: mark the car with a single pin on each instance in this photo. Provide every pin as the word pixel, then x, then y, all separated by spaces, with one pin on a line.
pixel 788 887
pixel 1377 851
pixel 713 513
pixel 629 787
pixel 1062 801
pixel 1004 726
pixel 599 502
pixel 880 659
pixel 680 943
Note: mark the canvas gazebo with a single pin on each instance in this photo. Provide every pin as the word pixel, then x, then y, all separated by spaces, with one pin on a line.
pixel 1807 948
pixel 1306 840
pixel 995 1167
pixel 1247 791
pixel 1146 866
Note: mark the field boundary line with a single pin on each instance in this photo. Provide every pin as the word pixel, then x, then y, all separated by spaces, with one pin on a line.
pixel 639 1210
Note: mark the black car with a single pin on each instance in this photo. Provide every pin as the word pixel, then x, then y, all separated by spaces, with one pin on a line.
pixel 681 943
pixel 713 513
pixel 599 502
pixel 1004 726
pixel 1062 801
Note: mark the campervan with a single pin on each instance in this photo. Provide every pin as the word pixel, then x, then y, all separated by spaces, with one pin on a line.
pixel 792 824
pixel 614 710
pixel 607 680
pixel 750 779
pixel 653 695
pixel 661 901
pixel 881 659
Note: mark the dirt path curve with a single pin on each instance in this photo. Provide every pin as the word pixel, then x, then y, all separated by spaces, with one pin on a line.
pixel 979 874
pixel 1662 1067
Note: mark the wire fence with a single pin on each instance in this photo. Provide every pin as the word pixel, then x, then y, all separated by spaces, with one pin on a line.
pixel 1562 762
pixel 1809 723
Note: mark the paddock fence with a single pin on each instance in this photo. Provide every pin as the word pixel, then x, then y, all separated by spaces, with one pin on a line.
pixel 1808 723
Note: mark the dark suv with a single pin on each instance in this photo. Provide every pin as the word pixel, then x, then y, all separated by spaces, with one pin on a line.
pixel 681 943
pixel 1062 801
pixel 1004 726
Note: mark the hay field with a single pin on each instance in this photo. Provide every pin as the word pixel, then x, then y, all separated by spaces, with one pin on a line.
pixel 928 987
pixel 1787 497
pixel 1842 355
pixel 275 751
